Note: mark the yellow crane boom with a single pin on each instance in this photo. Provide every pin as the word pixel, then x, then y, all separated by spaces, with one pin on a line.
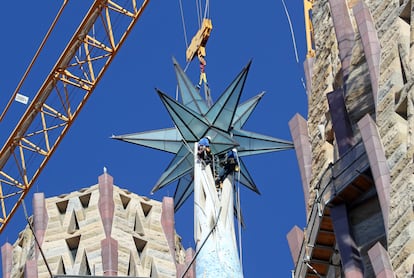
pixel 61 97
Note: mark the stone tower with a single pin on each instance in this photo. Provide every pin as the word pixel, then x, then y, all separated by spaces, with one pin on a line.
pixel 355 149
pixel 102 230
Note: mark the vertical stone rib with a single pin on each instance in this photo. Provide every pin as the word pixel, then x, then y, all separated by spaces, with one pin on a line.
pixel 340 121
pixel 40 219
pixel 380 261
pixel 109 246
pixel 189 255
pixel 109 252
pixel 299 131
pixel 344 33
pixel 7 259
pixel 167 222
pixel 30 269
pixel 295 240
pixel 351 264
pixel 106 202
pixel 378 163
pixel 181 268
pixel 370 43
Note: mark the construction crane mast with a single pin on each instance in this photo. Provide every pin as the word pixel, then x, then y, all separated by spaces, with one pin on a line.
pixel 61 97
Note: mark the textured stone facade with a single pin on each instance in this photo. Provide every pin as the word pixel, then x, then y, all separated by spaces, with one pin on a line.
pixel 102 230
pixel 360 95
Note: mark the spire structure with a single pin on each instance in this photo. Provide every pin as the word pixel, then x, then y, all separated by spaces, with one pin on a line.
pixel 193 120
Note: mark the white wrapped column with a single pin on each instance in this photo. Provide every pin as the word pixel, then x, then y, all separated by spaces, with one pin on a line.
pixel 218 256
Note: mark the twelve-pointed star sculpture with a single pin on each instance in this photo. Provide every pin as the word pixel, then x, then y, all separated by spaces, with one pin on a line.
pixel 193 120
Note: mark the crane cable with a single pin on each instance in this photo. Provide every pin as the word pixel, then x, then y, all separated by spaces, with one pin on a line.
pixel 185 40
pixel 292 33
pixel 183 23
pixel 199 12
pixel 239 214
pixel 202 244
pixel 199 17
pixel 16 91
pixel 239 224
pixel 207 9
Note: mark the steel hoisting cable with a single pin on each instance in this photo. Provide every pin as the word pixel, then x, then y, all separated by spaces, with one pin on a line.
pixel 239 225
pixel 198 7
pixel 200 15
pixel 183 22
pixel 239 214
pixel 202 244
pixel 207 9
pixel 34 59
pixel 291 31
pixel 185 40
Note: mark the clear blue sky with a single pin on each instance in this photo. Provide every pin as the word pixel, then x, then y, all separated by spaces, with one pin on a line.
pixel 125 101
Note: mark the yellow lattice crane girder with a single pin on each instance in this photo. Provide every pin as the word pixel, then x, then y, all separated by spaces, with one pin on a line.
pixel 61 97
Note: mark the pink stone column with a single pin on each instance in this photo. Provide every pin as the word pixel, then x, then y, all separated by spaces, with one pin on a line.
pixel 7 259
pixel 344 33
pixel 40 219
pixel 109 253
pixel 182 268
pixel 299 131
pixel 106 201
pixel 295 240
pixel 189 255
pixel 167 222
pixel 30 269
pixel 380 261
pixel 109 246
pixel 378 163
pixel 370 43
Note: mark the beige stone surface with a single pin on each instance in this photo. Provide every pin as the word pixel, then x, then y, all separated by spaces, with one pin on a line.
pixel 393 113
pixel 72 241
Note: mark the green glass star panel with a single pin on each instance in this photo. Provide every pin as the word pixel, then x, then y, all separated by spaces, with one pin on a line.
pixel 193 120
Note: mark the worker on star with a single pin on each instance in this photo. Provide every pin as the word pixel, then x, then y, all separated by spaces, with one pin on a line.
pixel 204 150
pixel 229 164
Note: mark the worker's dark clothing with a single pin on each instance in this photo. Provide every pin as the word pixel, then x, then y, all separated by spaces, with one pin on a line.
pixel 230 164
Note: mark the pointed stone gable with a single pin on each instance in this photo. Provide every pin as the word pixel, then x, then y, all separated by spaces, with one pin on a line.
pixel 100 230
